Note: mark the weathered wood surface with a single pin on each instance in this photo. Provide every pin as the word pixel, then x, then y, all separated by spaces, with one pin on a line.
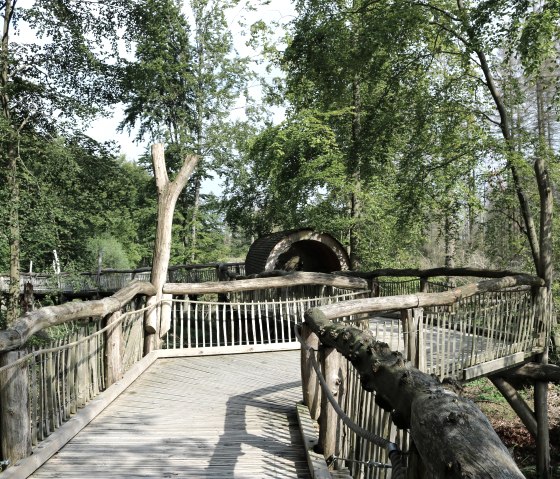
pixel 293 279
pixel 14 400
pixel 43 318
pixel 421 300
pixel 205 417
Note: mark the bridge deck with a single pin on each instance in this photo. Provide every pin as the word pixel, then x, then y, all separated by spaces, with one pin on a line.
pixel 204 417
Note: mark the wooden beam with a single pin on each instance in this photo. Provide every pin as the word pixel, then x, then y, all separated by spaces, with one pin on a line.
pixel 517 403
pixel 316 462
pixel 331 366
pixel 14 404
pixel 310 383
pixel 43 318
pixel 293 279
pixel 493 366
pixel 113 350
pixel 426 273
pixel 528 373
pixel 421 300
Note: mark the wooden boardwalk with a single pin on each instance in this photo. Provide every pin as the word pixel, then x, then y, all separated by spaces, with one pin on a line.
pixel 203 417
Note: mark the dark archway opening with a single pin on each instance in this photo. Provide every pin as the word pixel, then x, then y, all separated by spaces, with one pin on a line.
pixel 309 255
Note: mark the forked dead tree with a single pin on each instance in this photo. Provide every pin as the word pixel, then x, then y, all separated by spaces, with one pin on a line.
pixel 168 193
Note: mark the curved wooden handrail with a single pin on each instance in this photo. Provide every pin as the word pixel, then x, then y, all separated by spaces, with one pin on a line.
pixel 36 321
pixel 292 279
pixel 419 300
pixel 431 272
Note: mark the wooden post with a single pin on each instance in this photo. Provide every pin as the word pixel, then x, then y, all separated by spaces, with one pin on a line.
pixel 113 350
pixel 14 400
pixel 168 192
pixel 411 320
pixel 544 318
pixel 165 314
pixel 517 404
pixel 310 383
pixel 331 365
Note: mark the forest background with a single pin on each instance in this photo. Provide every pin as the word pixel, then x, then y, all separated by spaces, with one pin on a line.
pixel 418 132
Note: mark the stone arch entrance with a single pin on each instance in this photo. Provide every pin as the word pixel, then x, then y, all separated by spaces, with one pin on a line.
pixel 297 250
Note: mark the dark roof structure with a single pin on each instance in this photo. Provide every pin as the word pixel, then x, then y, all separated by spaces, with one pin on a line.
pixel 297 250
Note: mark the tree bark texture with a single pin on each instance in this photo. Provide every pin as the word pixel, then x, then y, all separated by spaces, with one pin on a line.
pixel 310 384
pixel 113 350
pixel 168 193
pixel 431 272
pixel 449 431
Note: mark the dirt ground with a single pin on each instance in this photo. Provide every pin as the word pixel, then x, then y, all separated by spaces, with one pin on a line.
pixel 508 426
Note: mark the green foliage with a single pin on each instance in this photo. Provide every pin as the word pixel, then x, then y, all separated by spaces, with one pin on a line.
pixel 109 250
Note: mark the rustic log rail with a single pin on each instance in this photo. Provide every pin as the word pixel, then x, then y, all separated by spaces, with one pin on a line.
pixel 384 372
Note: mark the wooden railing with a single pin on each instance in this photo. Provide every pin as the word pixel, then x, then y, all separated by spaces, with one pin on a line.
pixel 462 333
pixel 442 333
pixel 112 280
pixel 42 384
pixel 214 324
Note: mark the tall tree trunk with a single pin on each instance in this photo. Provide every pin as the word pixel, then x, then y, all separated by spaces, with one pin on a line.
pixel 9 151
pixel 540 241
pixel 195 211
pixel 355 163
pixel 13 235
pixel 199 138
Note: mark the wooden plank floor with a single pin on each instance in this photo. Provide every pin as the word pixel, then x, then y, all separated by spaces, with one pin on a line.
pixel 203 417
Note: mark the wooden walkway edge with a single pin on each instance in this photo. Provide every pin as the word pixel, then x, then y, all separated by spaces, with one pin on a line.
pixel 199 417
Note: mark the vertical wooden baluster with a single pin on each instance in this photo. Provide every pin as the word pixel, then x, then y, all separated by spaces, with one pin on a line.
pixel 197 324
pixel 72 375
pixel 34 399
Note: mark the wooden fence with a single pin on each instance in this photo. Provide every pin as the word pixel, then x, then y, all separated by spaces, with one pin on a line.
pixel 463 333
pixel 344 447
pixel 204 324
pixel 44 382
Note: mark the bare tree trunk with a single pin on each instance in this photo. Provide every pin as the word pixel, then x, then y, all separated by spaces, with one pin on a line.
pixel 168 192
pixel 11 158
pixel 194 225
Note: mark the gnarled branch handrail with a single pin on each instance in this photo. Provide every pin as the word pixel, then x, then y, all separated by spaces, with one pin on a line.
pixel 419 300
pixel 43 318
pixel 449 431
pixel 293 279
